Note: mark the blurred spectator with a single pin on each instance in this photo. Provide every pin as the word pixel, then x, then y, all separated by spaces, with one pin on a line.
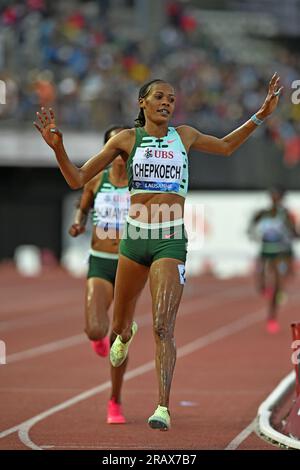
pixel 82 58
pixel 44 89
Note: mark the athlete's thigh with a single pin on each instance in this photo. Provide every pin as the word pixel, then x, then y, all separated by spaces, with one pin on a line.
pixel 99 295
pixel 273 271
pixel 130 280
pixel 167 278
pixel 260 271
pixel 281 268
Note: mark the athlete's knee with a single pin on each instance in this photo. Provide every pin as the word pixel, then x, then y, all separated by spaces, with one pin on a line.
pixel 96 332
pixel 163 332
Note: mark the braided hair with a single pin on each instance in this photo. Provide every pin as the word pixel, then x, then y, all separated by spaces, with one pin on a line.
pixel 144 91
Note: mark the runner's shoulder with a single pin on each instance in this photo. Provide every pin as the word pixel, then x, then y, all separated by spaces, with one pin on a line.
pixel 186 131
pixel 260 214
pixel 124 139
pixel 187 134
pixel 285 210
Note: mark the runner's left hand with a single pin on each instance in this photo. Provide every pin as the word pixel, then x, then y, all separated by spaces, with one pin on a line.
pixel 272 98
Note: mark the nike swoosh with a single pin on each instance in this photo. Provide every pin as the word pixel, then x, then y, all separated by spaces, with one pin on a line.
pixel 171 141
pixel 169 235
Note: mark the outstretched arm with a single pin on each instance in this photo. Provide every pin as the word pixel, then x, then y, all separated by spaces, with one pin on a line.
pixel 84 205
pixel 78 177
pixel 252 226
pixel 292 225
pixel 228 144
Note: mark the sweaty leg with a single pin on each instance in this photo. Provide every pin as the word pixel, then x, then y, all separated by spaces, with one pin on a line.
pixel 99 295
pixel 290 267
pixel 276 284
pixel 114 409
pixel 130 280
pixel 166 286
pixel 261 275
pixel 117 374
pixel 274 274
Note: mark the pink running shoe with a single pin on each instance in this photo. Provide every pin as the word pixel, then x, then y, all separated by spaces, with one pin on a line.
pixel 101 346
pixel 114 413
pixel 273 326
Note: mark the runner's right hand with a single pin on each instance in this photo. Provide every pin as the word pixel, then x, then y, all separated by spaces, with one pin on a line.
pixel 47 127
pixel 76 229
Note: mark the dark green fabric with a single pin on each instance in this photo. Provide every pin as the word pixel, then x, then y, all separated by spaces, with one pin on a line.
pixel 103 268
pixel 144 246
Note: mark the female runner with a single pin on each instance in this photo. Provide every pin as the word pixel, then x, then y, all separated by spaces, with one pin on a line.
pixel 154 241
pixel 107 193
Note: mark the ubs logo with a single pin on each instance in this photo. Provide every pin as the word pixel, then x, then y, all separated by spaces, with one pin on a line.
pixel 158 153
pixel 148 153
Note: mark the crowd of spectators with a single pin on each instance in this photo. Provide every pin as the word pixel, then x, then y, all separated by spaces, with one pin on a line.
pixel 81 59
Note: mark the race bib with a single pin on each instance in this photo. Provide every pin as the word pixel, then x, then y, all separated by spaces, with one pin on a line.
pixel 157 169
pixel 181 272
pixel 111 209
pixel 272 230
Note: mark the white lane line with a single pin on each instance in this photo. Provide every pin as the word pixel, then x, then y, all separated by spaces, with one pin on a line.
pixel 93 447
pixel 46 348
pixel 143 320
pixel 24 428
pixel 241 437
pixel 37 319
pixel 238 325
pixel 222 332
pixel 264 414
pixel 17 308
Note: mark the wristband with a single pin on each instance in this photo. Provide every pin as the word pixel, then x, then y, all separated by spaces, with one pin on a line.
pixel 256 121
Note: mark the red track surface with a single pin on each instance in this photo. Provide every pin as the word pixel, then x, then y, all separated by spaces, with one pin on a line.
pixel 226 366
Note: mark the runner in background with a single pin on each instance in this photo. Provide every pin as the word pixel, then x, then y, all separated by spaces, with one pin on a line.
pixel 154 243
pixel 275 229
pixel 107 194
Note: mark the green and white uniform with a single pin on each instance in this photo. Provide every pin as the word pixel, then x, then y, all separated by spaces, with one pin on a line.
pixel 111 206
pixel 275 234
pixel 156 165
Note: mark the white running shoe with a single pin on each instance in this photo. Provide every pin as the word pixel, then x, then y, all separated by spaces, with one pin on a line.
pixel 119 350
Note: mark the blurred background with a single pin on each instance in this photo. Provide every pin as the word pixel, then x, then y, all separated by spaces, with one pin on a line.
pixel 88 59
